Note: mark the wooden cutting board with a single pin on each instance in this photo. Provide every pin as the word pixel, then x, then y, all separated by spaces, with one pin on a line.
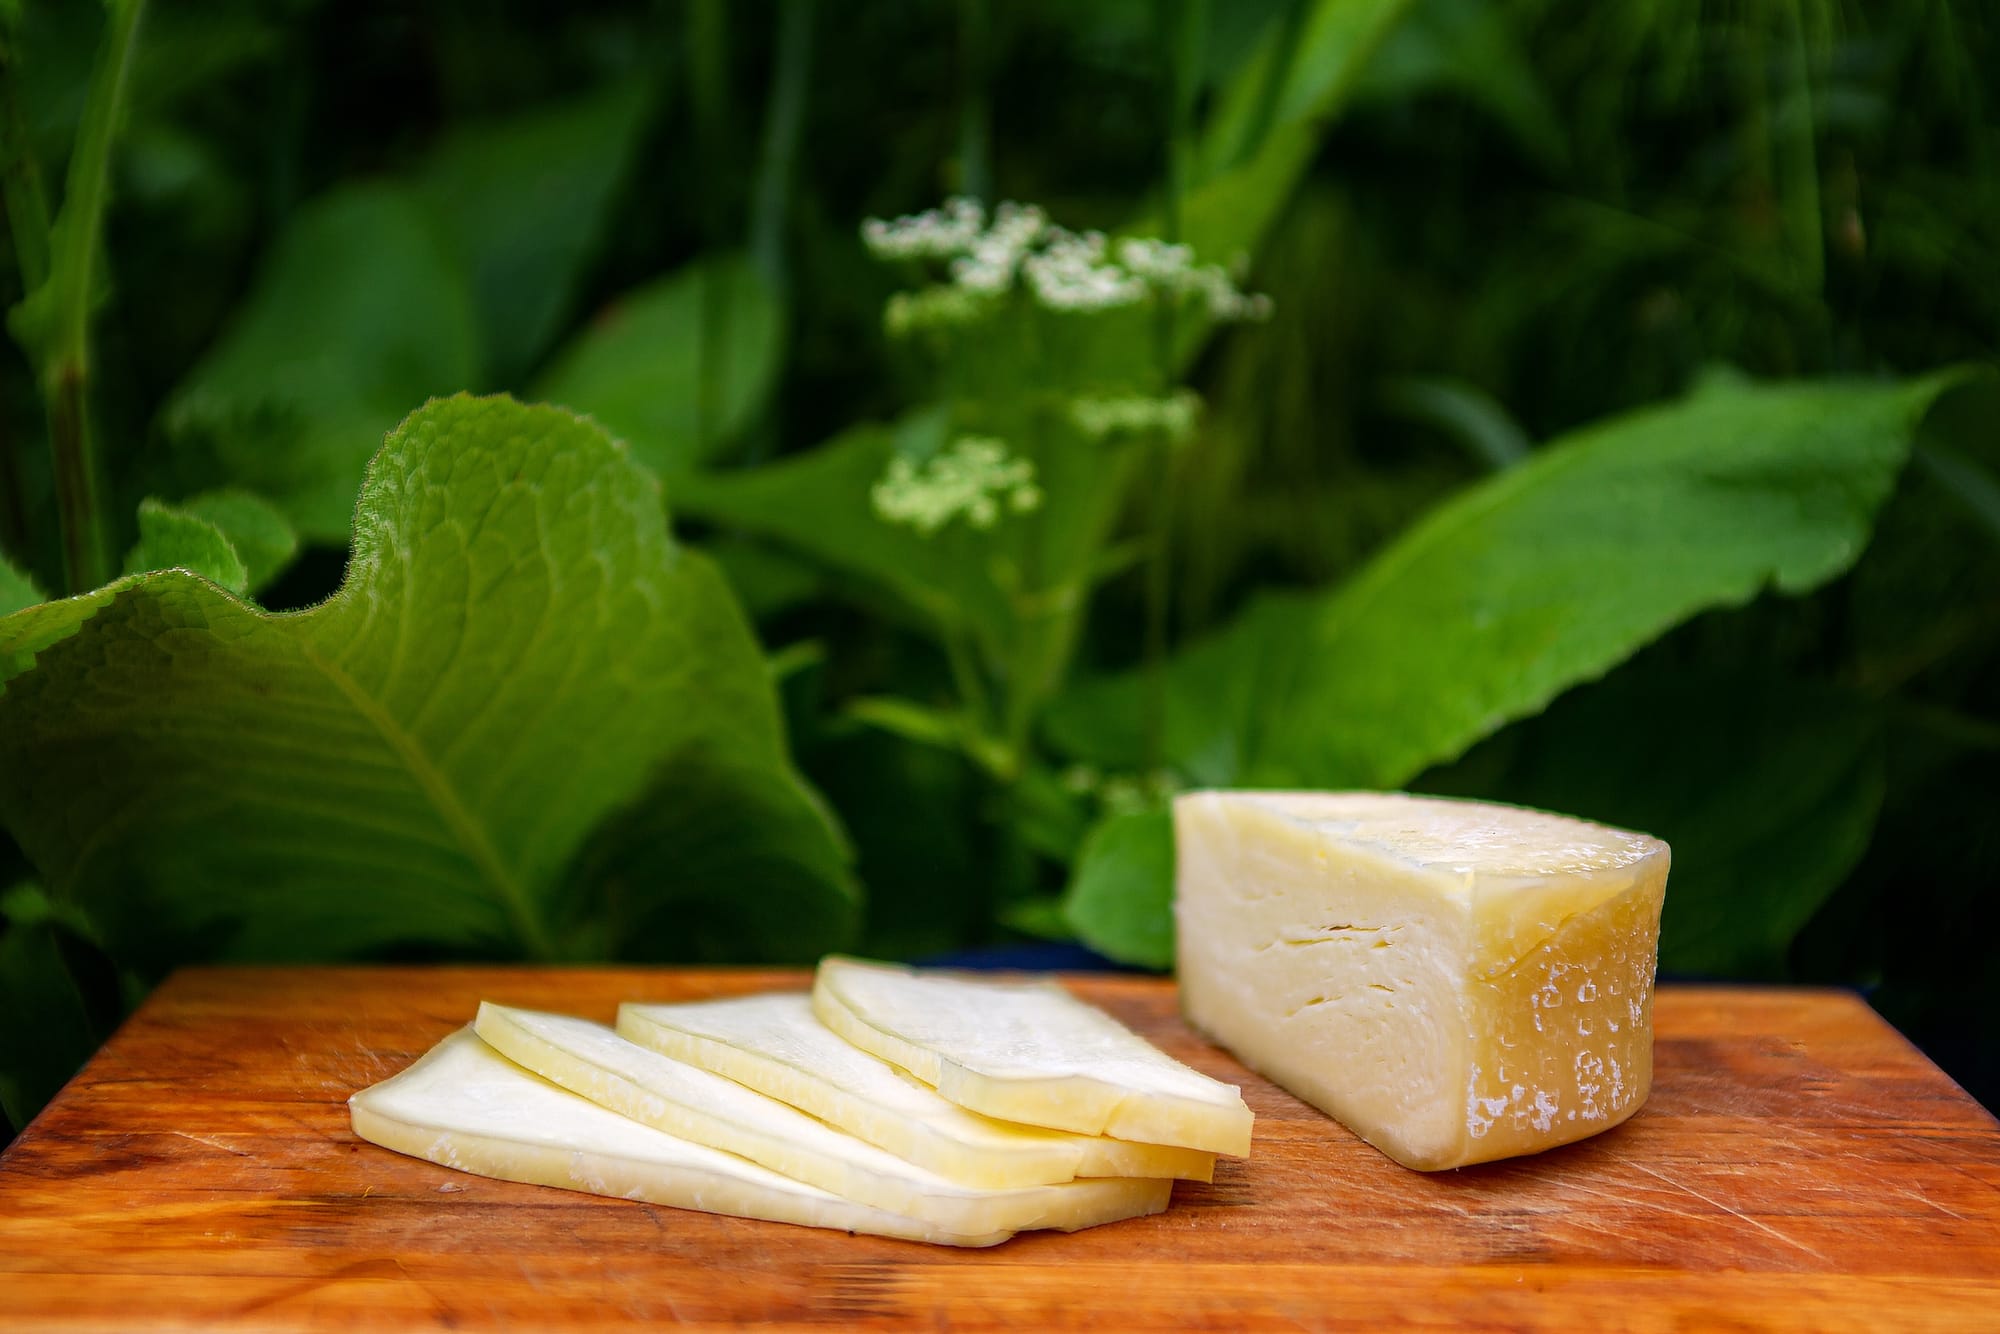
pixel 1799 1165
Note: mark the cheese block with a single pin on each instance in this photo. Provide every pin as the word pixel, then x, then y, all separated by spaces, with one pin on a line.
pixel 1454 981
pixel 464 1106
pixel 696 1105
pixel 1028 1052
pixel 774 1044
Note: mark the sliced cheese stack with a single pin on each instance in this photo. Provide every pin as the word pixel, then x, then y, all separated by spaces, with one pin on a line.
pixel 464 1106
pixel 696 1105
pixel 1454 981
pixel 1029 1052
pixel 752 1106
pixel 776 1045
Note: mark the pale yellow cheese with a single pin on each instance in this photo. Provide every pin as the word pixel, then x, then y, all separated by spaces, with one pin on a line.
pixel 1028 1052
pixel 1454 981
pixel 464 1106
pixel 697 1105
pixel 773 1043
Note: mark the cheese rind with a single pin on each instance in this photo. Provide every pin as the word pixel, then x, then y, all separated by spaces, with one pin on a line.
pixel 1454 981
pixel 1028 1052
pixel 462 1105
pixel 774 1044
pixel 697 1105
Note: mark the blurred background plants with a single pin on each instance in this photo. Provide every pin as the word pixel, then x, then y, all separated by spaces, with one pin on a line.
pixel 1023 564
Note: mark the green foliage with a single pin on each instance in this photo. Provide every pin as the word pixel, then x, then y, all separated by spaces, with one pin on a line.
pixel 520 201
pixel 1331 551
pixel 356 315
pixel 38 1055
pixel 205 779
pixel 173 539
pixel 261 538
pixel 17 590
pixel 1544 576
pixel 649 373
pixel 1121 899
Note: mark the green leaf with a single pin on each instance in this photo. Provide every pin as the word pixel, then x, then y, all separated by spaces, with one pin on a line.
pixel 264 542
pixel 48 1033
pixel 643 366
pixel 818 503
pixel 1540 577
pixel 17 590
pixel 1261 138
pixel 522 202
pixel 518 653
pixel 357 312
pixel 1120 899
pixel 758 871
pixel 173 539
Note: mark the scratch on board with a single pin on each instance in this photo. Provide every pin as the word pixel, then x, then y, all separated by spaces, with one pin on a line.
pixel 1718 1204
pixel 214 1143
pixel 1922 1198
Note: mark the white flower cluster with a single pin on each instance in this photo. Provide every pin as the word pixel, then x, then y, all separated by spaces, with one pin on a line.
pixel 975 477
pixel 1172 416
pixel 1062 270
pixel 936 233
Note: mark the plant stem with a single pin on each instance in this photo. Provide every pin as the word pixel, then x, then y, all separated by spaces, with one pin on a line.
pixel 28 225
pixel 73 260
pixel 1181 24
pixel 708 80
pixel 784 119
pixel 975 110
pixel 771 197
pixel 21 178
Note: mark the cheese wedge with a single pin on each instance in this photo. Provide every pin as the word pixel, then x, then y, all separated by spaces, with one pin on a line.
pixel 696 1105
pixel 1028 1052
pixel 463 1105
pixel 774 1044
pixel 1454 981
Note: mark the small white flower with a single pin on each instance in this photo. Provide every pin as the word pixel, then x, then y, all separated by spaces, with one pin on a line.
pixel 974 478
pixel 1103 417
pixel 936 233
pixel 1067 271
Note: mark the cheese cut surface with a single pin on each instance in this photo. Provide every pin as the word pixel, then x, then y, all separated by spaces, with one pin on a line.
pixel 695 1104
pixel 463 1105
pixel 774 1044
pixel 1454 981
pixel 1028 1052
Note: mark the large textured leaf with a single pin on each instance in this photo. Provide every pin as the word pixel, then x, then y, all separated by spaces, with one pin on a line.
pixel 518 653
pixel 1541 577
pixel 357 312
pixel 649 373
pixel 522 201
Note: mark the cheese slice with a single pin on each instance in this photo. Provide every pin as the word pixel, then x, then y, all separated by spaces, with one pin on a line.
pixel 1028 1052
pixel 696 1105
pixel 463 1105
pixel 1454 981
pixel 774 1044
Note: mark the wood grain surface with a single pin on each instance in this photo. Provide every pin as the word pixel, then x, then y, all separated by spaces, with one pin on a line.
pixel 1799 1166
